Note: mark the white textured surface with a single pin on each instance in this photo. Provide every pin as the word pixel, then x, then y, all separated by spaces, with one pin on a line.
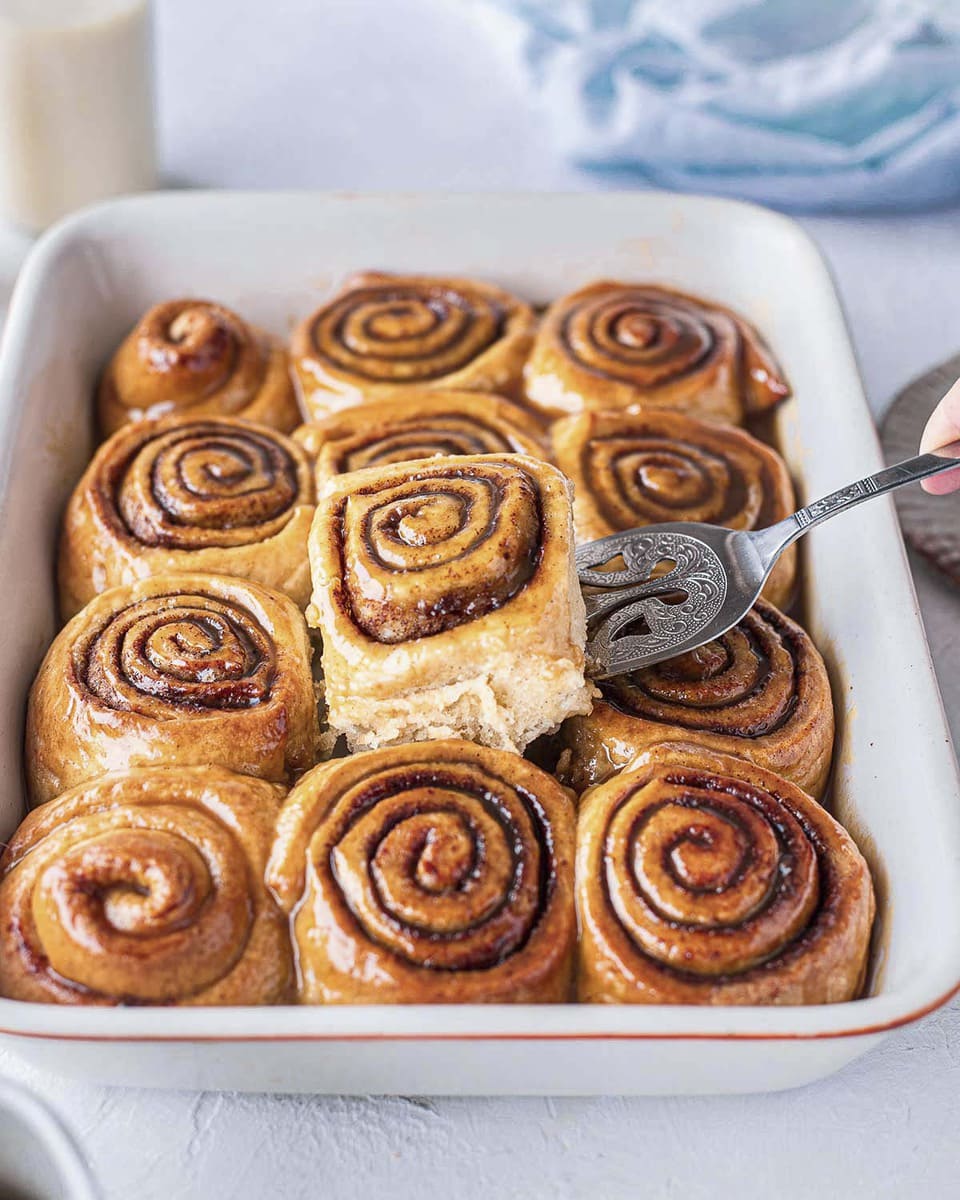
pixel 360 94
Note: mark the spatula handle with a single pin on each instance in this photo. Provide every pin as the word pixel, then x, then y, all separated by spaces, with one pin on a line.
pixel 772 541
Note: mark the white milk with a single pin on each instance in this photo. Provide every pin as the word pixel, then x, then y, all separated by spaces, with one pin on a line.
pixel 76 105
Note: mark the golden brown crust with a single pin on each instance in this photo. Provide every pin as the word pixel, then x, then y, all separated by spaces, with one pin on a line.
pixel 146 887
pixel 447 599
pixel 418 424
pixel 760 691
pixel 218 495
pixel 174 670
pixel 198 359
pixel 703 879
pixel 637 346
pixel 631 469
pixel 434 873
pixel 383 334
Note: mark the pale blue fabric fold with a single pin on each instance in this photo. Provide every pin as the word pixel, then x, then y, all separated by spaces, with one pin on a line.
pixel 807 104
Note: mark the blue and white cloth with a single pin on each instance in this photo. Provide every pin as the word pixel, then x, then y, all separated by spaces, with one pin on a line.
pixel 806 104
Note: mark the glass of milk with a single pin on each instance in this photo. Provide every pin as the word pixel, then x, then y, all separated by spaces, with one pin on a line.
pixel 76 105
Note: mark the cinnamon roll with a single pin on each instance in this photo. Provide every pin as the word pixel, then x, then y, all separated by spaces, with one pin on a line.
pixel 146 887
pixel 448 602
pixel 635 346
pixel 183 670
pixel 703 879
pixel 631 469
pixel 759 691
pixel 220 495
pixel 433 873
pixel 198 359
pixel 382 334
pixel 419 424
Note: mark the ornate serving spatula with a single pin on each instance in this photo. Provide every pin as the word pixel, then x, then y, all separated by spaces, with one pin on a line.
pixel 660 590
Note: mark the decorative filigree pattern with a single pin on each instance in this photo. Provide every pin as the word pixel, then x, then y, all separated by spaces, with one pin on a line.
pixel 668 608
pixel 835 501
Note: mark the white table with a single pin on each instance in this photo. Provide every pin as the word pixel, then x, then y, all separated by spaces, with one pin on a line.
pixel 360 94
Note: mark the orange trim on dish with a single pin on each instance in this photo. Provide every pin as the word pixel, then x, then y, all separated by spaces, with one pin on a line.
pixel 862 1031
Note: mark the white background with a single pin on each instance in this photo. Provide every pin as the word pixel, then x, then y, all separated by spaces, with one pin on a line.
pixel 416 94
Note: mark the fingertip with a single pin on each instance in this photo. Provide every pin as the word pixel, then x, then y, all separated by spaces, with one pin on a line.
pixel 942 485
pixel 943 426
pixel 938 431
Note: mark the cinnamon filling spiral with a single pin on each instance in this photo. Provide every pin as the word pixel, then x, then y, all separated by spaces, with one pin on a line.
pixel 447 866
pixel 423 554
pixel 651 337
pixel 743 683
pixel 427 438
pixel 166 654
pixel 707 875
pixel 206 483
pixel 144 887
pixel 144 913
pixel 396 333
pixel 642 337
pixel 651 475
pixel 185 351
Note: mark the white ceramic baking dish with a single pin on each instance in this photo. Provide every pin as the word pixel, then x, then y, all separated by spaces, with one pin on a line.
pixel 39 1160
pixel 273 256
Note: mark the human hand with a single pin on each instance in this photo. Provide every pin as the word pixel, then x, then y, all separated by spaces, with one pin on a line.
pixel 943 427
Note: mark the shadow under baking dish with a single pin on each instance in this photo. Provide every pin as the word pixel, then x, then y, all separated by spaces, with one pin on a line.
pixel 895 786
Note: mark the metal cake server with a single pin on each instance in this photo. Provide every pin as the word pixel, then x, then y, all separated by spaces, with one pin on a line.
pixel 657 591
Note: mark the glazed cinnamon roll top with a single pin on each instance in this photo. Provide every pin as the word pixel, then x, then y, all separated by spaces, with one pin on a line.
pixel 435 872
pixel 743 683
pixel 145 888
pixel 221 495
pixel 176 669
pixel 196 358
pixel 620 345
pixel 164 656
pixel 419 424
pixel 424 551
pixel 760 690
pixel 703 879
pixel 382 332
pixel 650 467
pixel 191 484
pixel 446 595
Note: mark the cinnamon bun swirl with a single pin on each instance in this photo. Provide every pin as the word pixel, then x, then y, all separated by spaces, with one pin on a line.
pixel 419 424
pixel 184 670
pixel 146 887
pixel 448 602
pixel 198 359
pixel 631 469
pixel 440 872
pixel 636 346
pixel 760 691
pixel 219 495
pixel 383 334
pixel 704 879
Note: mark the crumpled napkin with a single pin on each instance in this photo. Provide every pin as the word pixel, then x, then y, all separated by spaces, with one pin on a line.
pixel 806 104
